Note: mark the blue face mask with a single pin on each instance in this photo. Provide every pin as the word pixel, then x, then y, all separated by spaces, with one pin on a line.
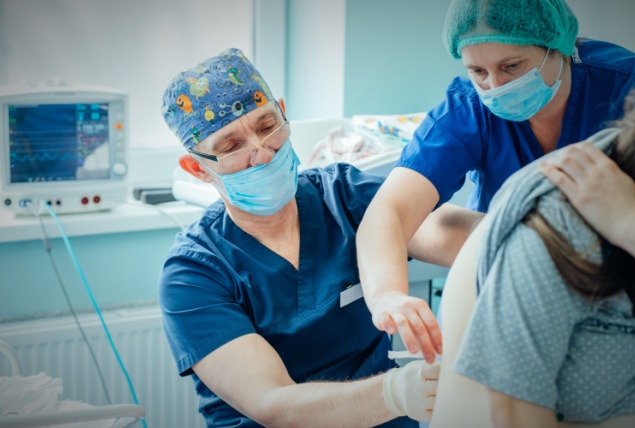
pixel 263 189
pixel 520 99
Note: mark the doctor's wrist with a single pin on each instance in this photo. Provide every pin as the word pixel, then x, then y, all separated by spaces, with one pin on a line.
pixel 389 395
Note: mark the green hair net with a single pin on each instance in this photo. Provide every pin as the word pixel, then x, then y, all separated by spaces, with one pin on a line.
pixel 547 23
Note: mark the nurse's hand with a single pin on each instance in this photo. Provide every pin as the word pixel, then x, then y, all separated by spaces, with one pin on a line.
pixel 598 189
pixel 411 390
pixel 412 318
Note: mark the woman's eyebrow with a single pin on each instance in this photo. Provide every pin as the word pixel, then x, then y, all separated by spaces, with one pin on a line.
pixel 514 58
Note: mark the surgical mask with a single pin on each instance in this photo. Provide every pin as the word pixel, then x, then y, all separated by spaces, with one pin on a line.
pixel 520 99
pixel 263 189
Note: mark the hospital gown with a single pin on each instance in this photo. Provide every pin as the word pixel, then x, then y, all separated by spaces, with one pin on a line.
pixel 219 283
pixel 531 336
pixel 460 135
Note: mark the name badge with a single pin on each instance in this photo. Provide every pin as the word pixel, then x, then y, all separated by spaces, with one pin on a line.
pixel 352 293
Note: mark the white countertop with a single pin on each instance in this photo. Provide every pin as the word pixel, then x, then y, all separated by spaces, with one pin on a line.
pixel 130 217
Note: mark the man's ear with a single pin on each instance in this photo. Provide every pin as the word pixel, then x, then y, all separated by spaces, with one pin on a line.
pixel 190 164
pixel 282 106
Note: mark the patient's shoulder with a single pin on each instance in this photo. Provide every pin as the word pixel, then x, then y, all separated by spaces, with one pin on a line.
pixel 561 215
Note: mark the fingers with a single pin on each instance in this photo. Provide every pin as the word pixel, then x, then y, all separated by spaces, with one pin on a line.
pixel 433 329
pixel 384 322
pixel 427 333
pixel 413 319
pixel 429 374
pixel 570 168
pixel 431 371
pixel 559 178
pixel 430 388
pixel 424 412
pixel 583 173
pixel 576 160
pixel 416 335
pixel 426 401
pixel 413 333
pixel 427 416
pixel 411 391
pixel 572 161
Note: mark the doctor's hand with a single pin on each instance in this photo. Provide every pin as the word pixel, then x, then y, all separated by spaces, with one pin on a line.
pixel 411 390
pixel 412 318
pixel 598 189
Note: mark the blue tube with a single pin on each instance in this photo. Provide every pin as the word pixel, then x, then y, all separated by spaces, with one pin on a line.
pixel 71 252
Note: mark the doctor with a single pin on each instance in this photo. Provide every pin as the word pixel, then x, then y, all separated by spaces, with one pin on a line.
pixel 260 297
pixel 532 87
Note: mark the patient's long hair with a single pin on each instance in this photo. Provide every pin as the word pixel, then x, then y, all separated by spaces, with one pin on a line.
pixel 617 270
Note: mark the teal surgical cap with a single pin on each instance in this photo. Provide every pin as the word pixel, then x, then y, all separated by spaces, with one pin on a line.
pixel 546 23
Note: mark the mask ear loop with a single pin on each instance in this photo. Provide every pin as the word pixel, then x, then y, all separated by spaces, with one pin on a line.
pixel 210 171
pixel 544 60
pixel 561 64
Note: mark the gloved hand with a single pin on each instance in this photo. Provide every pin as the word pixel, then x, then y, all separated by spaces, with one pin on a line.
pixel 411 390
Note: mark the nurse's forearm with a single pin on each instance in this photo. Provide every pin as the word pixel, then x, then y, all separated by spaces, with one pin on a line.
pixel 320 404
pixel 392 218
pixel 382 255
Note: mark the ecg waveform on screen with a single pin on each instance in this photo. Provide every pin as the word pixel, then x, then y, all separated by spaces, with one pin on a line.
pixel 53 142
pixel 42 157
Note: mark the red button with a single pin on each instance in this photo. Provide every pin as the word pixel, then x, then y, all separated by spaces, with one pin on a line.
pixel 96 199
pixel 84 200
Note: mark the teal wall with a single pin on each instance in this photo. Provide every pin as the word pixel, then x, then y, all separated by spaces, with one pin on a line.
pixel 121 268
pixel 395 61
pixel 610 20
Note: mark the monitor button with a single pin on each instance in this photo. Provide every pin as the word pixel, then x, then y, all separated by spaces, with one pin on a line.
pixel 119 168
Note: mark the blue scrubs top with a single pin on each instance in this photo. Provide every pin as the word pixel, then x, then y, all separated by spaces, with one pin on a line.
pixel 219 283
pixel 462 136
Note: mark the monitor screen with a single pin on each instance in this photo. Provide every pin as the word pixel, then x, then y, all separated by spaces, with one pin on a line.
pixel 58 142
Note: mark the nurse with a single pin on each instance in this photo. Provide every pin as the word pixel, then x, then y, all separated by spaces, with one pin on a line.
pixel 261 299
pixel 532 87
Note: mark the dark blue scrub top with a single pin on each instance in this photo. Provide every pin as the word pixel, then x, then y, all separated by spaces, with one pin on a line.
pixel 461 135
pixel 219 283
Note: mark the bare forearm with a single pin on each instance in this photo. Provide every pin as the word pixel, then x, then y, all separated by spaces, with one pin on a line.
pixel 382 255
pixel 441 236
pixel 320 404
pixel 393 217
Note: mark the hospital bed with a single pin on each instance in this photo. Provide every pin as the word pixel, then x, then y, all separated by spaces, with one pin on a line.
pixel 121 415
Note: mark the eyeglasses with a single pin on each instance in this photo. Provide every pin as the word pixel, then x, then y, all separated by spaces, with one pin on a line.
pixel 272 136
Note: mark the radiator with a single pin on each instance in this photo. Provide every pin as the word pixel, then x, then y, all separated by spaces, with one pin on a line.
pixel 55 346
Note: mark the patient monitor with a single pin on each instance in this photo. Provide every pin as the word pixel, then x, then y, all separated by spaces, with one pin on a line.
pixel 63 145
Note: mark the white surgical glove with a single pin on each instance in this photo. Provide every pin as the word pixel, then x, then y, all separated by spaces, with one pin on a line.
pixel 411 390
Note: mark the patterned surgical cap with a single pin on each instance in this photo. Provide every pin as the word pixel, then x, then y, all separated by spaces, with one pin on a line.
pixel 201 100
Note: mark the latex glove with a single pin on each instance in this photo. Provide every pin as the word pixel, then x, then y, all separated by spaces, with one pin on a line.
pixel 411 390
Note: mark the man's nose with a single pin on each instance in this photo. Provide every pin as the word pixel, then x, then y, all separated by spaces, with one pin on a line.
pixel 260 154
